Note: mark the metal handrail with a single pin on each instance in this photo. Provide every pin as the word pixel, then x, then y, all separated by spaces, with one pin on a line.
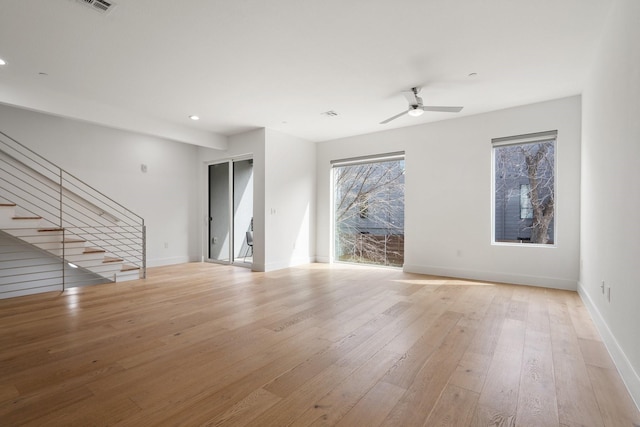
pixel 42 189
pixel 58 169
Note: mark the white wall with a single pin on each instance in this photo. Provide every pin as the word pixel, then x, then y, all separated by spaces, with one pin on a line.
pixel 448 194
pixel 109 160
pixel 610 232
pixel 290 200
pixel 284 195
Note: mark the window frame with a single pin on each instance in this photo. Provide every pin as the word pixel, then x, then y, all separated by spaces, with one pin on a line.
pixel 355 161
pixel 532 138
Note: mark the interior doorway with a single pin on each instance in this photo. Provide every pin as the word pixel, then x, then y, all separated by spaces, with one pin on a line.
pixel 230 234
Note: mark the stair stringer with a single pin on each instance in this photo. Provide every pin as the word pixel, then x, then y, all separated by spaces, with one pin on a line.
pixel 58 243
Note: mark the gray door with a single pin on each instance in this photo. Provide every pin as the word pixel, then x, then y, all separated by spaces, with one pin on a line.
pixel 219 216
pixel 231 212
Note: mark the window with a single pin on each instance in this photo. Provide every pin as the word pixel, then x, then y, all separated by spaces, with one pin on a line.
pixel 526 210
pixel 524 188
pixel 368 210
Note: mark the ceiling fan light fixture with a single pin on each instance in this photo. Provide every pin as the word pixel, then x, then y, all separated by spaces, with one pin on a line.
pixel 415 111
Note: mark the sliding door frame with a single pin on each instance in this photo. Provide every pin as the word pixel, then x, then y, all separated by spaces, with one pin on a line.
pixel 231 217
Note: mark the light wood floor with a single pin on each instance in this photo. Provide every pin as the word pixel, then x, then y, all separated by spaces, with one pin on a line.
pixel 203 344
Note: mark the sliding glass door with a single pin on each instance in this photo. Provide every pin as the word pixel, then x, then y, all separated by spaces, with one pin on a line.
pixel 230 234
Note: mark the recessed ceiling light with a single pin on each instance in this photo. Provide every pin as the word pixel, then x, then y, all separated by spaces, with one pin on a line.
pixel 3 62
pixel 330 113
pixel 194 117
pixel 473 74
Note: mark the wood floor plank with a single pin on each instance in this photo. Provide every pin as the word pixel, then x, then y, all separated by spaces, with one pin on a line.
pixel 374 406
pixel 576 399
pixel 500 390
pixel 330 408
pixel 292 380
pixel 38 406
pixel 580 318
pixel 455 407
pixel 595 353
pixel 471 372
pixel 537 394
pixel 490 327
pixel 404 371
pixel 207 344
pixel 246 410
pixel 417 403
pixel 485 416
pixel 615 405
pixel 234 386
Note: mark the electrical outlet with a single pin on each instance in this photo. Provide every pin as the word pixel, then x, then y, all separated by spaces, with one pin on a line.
pixel 166 245
pixel 602 287
pixel 214 240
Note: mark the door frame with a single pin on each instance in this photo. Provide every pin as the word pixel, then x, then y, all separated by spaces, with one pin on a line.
pixel 231 220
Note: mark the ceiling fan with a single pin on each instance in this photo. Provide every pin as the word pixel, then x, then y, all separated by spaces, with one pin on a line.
pixel 416 108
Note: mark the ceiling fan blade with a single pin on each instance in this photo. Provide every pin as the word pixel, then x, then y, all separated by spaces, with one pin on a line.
pixel 442 109
pixel 394 117
pixel 412 98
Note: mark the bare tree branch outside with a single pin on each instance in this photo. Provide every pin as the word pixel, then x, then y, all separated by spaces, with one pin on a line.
pixel 369 213
pixel 525 193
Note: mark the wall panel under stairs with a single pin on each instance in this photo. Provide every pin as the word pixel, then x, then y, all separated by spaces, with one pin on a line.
pixel 25 269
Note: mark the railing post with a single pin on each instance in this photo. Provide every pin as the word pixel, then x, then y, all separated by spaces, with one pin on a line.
pixel 64 279
pixel 144 251
pixel 64 262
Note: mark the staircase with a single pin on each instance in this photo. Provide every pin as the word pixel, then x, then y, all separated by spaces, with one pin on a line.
pixel 59 232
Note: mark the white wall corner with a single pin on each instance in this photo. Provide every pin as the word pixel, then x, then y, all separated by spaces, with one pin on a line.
pixel 630 377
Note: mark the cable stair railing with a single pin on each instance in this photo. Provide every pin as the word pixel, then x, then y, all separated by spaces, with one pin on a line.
pixel 59 232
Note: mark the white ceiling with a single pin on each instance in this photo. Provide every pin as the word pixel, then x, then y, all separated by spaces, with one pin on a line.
pixel 245 64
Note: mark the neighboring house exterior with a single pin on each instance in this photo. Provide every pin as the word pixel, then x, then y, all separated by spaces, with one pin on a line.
pixel 514 213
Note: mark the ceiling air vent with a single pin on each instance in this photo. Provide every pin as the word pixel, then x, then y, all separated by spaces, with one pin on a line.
pixel 101 6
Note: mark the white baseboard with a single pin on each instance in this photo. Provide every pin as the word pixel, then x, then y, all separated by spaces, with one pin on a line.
pixel 629 375
pixel 159 262
pixel 490 276
pixel 257 267
pixel 323 259
pixel 291 263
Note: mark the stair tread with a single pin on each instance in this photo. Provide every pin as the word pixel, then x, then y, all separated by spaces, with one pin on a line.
pixel 45 230
pixel 73 241
pixel 110 259
pixel 26 217
pixel 93 250
pixel 129 268
pixel 7 205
